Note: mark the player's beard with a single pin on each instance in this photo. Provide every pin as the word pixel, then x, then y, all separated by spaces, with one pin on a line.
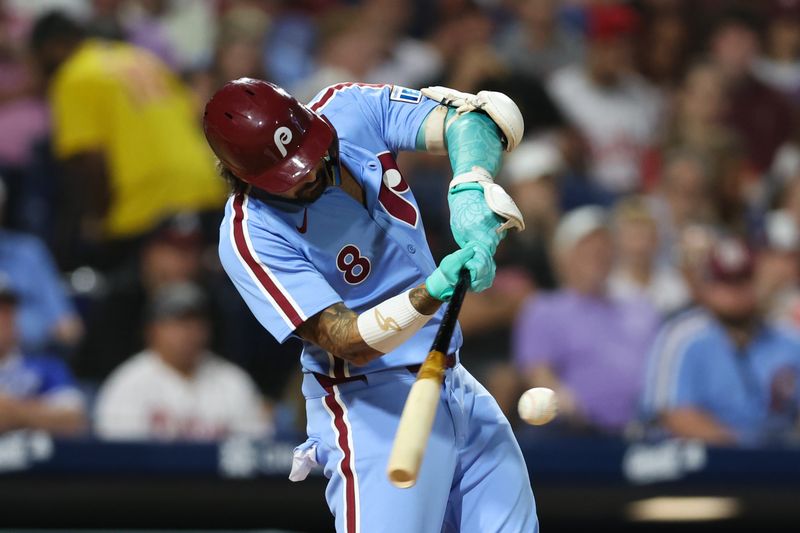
pixel 311 192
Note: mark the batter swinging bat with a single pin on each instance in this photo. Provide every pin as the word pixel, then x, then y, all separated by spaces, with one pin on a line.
pixel 419 412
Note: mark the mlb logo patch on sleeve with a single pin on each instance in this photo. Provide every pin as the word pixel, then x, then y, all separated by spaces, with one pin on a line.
pixel 404 94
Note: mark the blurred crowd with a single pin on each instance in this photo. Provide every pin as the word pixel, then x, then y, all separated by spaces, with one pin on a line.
pixel 656 289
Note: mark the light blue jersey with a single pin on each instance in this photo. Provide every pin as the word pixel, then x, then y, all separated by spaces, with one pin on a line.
pixel 291 261
pixel 752 390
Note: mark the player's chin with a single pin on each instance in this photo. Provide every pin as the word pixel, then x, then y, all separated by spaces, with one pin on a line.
pixel 313 192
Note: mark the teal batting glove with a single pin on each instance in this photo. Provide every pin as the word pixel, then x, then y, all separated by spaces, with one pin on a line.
pixel 471 220
pixel 477 259
pixel 481 268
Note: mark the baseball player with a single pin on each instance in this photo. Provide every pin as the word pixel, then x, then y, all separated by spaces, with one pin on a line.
pixel 323 239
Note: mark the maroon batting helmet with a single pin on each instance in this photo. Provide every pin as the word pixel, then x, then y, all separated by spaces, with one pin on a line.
pixel 263 135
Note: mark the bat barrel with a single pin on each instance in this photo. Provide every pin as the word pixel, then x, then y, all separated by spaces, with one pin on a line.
pixel 419 413
pixel 415 427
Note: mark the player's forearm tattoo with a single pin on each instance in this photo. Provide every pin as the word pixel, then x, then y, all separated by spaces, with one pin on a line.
pixel 335 329
pixel 422 300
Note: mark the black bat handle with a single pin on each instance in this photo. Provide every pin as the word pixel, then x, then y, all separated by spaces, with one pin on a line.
pixel 441 342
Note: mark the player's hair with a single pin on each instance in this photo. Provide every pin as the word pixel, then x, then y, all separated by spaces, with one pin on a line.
pixel 54 26
pixel 235 183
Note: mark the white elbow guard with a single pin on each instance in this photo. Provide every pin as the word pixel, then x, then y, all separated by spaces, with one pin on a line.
pixel 497 199
pixel 502 109
pixel 391 323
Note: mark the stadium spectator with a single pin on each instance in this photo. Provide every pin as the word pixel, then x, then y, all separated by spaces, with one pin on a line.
pixel 125 129
pixel 23 116
pixel 720 373
pixel 566 339
pixel 779 65
pixel 637 271
pixel 174 253
pixel 760 115
pixel 46 318
pixel 683 198
pixel 116 319
pixel 535 44
pixel 176 389
pixel 698 126
pixel 35 392
pixel 23 119
pixel 615 111
pixel 663 45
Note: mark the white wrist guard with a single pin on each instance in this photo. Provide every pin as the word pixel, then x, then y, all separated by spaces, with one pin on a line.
pixel 502 109
pixel 498 200
pixel 391 323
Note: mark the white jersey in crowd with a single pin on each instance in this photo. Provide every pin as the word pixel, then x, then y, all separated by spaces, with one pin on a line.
pixel 619 123
pixel 146 399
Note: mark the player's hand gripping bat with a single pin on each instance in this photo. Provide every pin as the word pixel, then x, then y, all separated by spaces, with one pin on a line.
pixel 419 412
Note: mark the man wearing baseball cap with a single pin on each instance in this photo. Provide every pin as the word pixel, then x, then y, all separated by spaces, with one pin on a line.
pixel 613 109
pixel 176 389
pixel 567 338
pixel 719 372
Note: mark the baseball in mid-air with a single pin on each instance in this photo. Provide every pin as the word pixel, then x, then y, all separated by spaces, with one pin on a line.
pixel 537 406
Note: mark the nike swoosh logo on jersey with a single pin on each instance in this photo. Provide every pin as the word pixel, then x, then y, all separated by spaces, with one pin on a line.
pixel 304 227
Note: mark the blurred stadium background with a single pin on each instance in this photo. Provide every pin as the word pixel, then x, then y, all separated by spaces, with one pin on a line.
pixel 657 289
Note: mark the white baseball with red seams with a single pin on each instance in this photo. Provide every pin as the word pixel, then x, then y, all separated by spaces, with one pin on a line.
pixel 537 406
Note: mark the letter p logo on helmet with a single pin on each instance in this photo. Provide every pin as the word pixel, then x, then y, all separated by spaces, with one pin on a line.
pixel 282 137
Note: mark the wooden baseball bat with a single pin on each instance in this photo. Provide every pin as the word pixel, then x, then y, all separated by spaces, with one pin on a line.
pixel 419 411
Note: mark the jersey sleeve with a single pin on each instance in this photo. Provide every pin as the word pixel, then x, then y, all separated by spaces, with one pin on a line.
pixel 392 112
pixel 279 284
pixel 674 373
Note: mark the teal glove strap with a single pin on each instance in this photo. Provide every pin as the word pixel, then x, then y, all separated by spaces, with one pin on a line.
pixel 471 220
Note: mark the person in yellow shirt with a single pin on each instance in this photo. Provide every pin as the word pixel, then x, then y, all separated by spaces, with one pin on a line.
pixel 125 128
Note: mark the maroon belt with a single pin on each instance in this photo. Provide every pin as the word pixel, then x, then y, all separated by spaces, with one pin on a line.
pixel 327 381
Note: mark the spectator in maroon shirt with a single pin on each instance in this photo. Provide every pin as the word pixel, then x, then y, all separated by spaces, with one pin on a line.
pixel 760 115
